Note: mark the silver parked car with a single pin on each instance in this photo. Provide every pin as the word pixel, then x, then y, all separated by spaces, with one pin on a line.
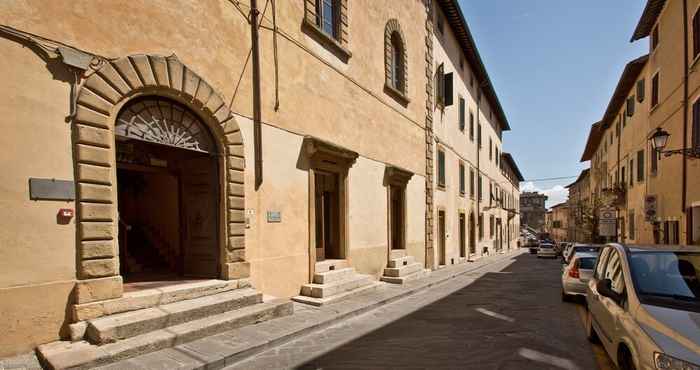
pixel 575 275
pixel 644 306
pixel 546 250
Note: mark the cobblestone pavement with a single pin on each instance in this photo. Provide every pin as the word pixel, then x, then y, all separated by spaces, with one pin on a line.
pixel 508 315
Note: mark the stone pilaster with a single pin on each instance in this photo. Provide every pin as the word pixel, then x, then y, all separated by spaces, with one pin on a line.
pixel 429 156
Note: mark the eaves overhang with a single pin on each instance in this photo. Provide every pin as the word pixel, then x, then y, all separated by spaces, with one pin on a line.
pixel 511 163
pixel 648 19
pixel 459 26
pixel 627 80
pixel 593 141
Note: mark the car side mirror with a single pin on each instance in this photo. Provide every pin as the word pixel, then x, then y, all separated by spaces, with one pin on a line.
pixel 604 288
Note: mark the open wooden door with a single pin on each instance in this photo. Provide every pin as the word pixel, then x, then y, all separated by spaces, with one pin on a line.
pixel 200 217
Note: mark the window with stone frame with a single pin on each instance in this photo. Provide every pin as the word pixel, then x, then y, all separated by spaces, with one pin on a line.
pixel 441 169
pixel 395 59
pixel 471 125
pixel 329 18
pixel 481 226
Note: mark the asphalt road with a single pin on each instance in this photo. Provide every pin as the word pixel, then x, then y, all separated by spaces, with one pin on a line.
pixel 508 315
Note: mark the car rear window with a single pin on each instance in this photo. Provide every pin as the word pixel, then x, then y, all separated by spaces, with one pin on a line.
pixel 586 263
pixel 586 249
pixel 546 246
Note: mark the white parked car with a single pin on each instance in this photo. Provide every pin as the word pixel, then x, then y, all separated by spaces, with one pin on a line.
pixel 575 275
pixel 546 250
pixel 644 306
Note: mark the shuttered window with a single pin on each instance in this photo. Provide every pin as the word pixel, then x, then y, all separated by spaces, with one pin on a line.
pixel 696 124
pixel 471 126
pixel 655 38
pixel 448 89
pixel 462 184
pixel 640 90
pixel 441 168
pixel 471 183
pixel 640 166
pixel 462 113
pixel 696 34
pixel 440 85
pixel 630 106
pixel 655 90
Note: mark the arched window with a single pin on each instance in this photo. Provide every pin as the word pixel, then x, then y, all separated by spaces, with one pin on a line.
pixel 395 60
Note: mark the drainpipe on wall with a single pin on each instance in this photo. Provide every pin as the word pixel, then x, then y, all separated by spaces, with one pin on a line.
pixel 684 183
pixel 257 130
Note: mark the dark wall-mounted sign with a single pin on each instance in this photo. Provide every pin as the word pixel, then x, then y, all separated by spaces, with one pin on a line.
pixel 51 189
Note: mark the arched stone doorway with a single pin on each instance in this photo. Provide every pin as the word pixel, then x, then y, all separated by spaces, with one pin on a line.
pixel 167 190
pixel 116 87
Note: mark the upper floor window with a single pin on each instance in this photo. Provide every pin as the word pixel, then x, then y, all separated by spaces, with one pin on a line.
pixel 471 126
pixel 462 179
pixel 696 34
pixel 440 23
pixel 630 106
pixel 471 183
pixel 478 139
pixel 655 37
pixel 395 58
pixel 655 90
pixel 328 16
pixel 640 90
pixel 490 149
pixel 462 113
pixel 441 168
pixel 696 124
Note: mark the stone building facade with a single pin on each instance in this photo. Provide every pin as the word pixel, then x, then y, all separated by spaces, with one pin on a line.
pixel 656 195
pixel 557 222
pixel 581 210
pixel 532 210
pixel 131 164
pixel 470 217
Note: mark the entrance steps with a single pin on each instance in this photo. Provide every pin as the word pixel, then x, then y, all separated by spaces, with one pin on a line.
pixel 403 269
pixel 334 283
pixel 177 319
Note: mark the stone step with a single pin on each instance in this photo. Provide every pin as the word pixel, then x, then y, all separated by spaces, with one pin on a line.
pixel 146 298
pixel 83 355
pixel 403 270
pixel 403 279
pixel 403 261
pixel 120 326
pixel 326 290
pixel 330 265
pixel 333 276
pixel 338 297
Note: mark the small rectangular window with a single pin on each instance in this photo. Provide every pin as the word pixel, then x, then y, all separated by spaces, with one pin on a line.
pixel 640 90
pixel 481 195
pixel 462 184
pixel 655 90
pixel 696 34
pixel 481 226
pixel 630 106
pixel 462 113
pixel 441 168
pixel 655 38
pixel 631 167
pixel 440 85
pixel 640 166
pixel 471 126
pixel 471 183
pixel 618 127
pixel 492 228
pixel 478 139
pixel 327 17
pixel 448 98
pixel 490 149
pixel 654 161
pixel 440 23
pixel 696 124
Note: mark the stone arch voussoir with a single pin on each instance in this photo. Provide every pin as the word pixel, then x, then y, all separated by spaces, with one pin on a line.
pixel 98 102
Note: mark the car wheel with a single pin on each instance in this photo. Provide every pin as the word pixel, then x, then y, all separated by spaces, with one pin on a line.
pixel 590 332
pixel 625 360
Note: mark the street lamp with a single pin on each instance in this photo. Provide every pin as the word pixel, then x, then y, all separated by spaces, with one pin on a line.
pixel 659 140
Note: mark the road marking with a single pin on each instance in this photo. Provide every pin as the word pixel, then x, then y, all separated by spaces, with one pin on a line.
pixel 494 314
pixel 533 355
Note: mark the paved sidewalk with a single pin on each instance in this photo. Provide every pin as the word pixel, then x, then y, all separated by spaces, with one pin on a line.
pixel 231 347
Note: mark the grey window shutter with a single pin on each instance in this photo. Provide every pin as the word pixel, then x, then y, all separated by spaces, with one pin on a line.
pixel 640 90
pixel 448 89
pixel 630 106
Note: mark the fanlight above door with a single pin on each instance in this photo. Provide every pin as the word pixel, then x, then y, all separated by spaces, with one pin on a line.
pixel 163 121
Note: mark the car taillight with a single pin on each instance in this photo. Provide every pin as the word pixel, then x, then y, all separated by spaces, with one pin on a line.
pixel 574 271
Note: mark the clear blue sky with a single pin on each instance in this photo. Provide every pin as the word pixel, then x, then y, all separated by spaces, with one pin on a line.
pixel 554 64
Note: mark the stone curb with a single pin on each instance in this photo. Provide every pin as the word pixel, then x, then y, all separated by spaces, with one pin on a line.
pixel 283 330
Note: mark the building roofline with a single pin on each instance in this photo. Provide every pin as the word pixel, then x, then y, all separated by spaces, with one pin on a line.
pixel 593 141
pixel 511 162
pixel 581 176
pixel 562 204
pixel 648 18
pixel 624 85
pixel 459 25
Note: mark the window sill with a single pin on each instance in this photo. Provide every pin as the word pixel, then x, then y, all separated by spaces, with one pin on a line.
pixel 397 94
pixel 441 187
pixel 327 41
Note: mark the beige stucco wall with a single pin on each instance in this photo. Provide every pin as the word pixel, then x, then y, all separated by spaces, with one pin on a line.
pixel 459 147
pixel 319 95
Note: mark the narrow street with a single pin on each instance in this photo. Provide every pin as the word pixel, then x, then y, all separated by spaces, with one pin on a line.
pixel 504 316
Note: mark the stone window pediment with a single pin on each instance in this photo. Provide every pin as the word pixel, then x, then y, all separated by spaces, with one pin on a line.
pixel 325 154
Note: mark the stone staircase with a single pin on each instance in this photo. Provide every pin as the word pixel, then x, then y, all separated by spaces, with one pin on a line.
pixel 334 280
pixel 153 319
pixel 403 269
